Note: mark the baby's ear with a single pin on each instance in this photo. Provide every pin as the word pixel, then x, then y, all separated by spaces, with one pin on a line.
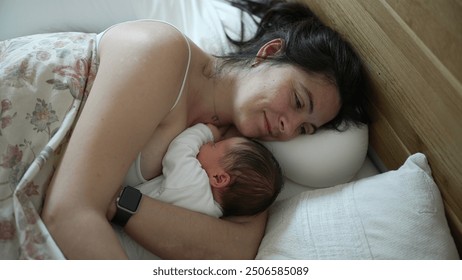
pixel 220 180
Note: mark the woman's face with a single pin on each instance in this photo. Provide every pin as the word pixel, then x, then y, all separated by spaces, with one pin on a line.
pixel 282 102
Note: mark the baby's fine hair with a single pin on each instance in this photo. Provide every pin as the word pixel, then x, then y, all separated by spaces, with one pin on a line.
pixel 256 176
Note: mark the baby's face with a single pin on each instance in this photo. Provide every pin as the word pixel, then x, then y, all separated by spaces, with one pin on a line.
pixel 211 153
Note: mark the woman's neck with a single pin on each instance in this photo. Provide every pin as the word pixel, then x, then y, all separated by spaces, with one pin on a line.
pixel 210 95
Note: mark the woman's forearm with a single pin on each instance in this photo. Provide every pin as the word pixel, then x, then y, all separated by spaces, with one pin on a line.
pixel 92 236
pixel 172 232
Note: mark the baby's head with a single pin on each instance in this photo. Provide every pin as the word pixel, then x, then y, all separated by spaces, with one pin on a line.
pixel 244 175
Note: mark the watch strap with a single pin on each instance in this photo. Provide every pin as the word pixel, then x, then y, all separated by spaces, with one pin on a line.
pixel 121 217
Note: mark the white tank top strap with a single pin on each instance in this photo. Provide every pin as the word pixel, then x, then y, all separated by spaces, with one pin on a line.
pixel 186 71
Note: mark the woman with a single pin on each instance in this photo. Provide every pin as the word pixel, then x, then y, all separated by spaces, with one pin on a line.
pixel 294 77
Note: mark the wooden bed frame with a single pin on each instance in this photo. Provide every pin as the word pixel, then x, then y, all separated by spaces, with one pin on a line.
pixel 412 52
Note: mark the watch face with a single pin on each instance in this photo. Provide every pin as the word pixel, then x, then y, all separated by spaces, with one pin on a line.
pixel 130 199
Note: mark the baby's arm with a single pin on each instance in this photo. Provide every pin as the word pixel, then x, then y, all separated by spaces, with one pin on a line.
pixel 184 148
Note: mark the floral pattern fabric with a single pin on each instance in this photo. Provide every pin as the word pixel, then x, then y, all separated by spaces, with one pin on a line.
pixel 44 81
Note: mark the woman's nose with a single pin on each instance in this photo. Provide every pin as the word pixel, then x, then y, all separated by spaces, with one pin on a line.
pixel 290 123
pixel 285 126
pixel 281 125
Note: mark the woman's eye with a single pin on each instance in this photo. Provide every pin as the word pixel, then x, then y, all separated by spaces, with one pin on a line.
pixel 297 102
pixel 307 129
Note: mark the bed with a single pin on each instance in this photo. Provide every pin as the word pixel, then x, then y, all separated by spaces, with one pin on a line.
pixel 388 191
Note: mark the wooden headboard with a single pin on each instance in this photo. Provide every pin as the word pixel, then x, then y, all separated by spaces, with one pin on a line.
pixel 412 50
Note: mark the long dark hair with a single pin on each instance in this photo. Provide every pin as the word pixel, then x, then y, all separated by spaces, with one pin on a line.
pixel 310 45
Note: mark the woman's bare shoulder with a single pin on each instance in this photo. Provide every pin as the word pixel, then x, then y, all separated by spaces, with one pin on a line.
pixel 145 56
pixel 146 38
pixel 142 66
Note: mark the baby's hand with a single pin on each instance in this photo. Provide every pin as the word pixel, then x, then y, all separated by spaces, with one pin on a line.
pixel 215 132
pixel 229 131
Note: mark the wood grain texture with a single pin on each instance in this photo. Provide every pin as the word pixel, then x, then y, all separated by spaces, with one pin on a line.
pixel 412 50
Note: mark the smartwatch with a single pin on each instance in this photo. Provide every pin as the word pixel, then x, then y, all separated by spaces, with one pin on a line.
pixel 127 205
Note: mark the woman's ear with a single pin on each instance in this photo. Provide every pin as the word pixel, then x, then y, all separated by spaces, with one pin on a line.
pixel 269 49
pixel 220 180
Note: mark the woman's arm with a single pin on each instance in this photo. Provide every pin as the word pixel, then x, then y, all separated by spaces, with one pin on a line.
pixel 139 72
pixel 190 235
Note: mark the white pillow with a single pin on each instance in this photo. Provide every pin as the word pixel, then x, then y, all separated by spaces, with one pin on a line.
pixel 393 215
pixel 324 159
pixel 205 22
